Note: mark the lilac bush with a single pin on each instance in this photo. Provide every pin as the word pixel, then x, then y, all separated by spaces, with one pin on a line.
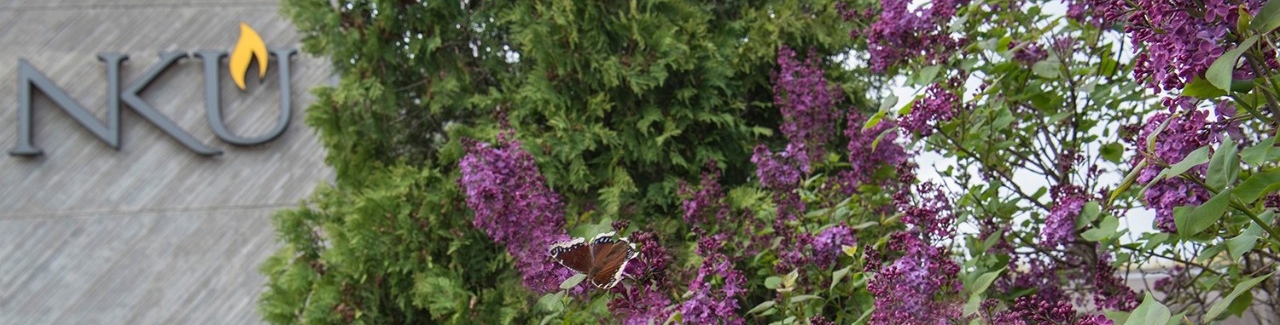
pixel 807 104
pixel 515 208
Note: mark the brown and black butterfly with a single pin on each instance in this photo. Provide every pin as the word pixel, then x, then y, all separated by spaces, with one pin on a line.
pixel 602 259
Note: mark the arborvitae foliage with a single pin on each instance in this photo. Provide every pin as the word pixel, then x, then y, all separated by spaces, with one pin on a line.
pixel 617 100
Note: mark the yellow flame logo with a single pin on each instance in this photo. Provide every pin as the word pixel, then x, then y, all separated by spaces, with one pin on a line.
pixel 249 47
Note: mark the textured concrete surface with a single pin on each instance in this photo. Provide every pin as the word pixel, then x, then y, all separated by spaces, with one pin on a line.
pixel 151 233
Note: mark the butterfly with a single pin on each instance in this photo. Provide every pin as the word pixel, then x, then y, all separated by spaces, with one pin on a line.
pixel 602 259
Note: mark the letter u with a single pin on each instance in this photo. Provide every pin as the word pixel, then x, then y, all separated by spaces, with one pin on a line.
pixel 213 102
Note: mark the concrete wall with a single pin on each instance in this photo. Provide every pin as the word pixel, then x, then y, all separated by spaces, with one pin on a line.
pixel 151 233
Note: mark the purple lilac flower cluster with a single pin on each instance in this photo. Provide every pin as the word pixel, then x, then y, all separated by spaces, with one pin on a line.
pixel 900 33
pixel 641 305
pixel 708 198
pixel 938 105
pixel 865 160
pixel 1110 290
pixel 807 103
pixel 907 291
pixel 1028 53
pixel 1179 39
pixel 827 245
pixel 920 286
pixel 646 301
pixel 1060 225
pixel 1183 135
pixel 775 170
pixel 1032 310
pixel 514 207
pixel 710 305
pixel 930 214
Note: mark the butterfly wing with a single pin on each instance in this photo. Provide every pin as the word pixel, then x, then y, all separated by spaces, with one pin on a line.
pixel 575 255
pixel 610 259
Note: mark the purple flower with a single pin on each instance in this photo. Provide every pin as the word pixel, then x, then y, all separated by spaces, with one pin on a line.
pixel 1028 54
pixel 930 213
pixel 808 106
pixel 776 171
pixel 646 301
pixel 864 160
pixel 938 105
pixel 709 198
pixel 1035 310
pixel 709 305
pixel 1178 40
pixel 1110 290
pixel 651 264
pixel 641 304
pixel 900 34
pixel 908 290
pixel 515 208
pixel 1060 225
pixel 827 245
pixel 795 251
pixel 1183 135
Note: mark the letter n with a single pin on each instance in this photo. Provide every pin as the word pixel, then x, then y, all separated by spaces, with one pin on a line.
pixel 28 77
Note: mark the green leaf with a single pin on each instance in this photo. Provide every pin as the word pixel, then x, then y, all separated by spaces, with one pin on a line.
pixel 1258 184
pixel 839 275
pixel 1241 288
pixel 1219 73
pixel 1150 312
pixel 1105 230
pixel 552 302
pixel 1240 304
pixel 876 143
pixel 1203 216
pixel 772 282
pixel 888 103
pixel 572 281
pixel 1259 153
pixel 803 298
pixel 1202 89
pixel 865 225
pixel 762 307
pixel 926 75
pixel 1195 158
pixel 1088 213
pixel 1127 182
pixel 1112 152
pixel 1151 138
pixel 1224 166
pixel 1155 240
pixel 1003 118
pixel 1210 252
pixel 1241 244
pixel 1267 19
pixel 789 280
pixel 1047 68
pixel 1242 18
pixel 1116 316
pixel 984 281
pixel 979 287
pixel 874 120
